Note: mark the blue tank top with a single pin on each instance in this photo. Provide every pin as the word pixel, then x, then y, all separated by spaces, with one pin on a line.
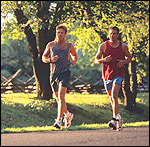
pixel 63 64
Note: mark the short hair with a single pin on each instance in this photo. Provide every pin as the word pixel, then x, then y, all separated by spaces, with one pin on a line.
pixel 114 28
pixel 61 26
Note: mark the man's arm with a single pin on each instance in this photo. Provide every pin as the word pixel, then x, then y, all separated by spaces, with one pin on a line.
pixel 46 55
pixel 99 54
pixel 74 56
pixel 127 54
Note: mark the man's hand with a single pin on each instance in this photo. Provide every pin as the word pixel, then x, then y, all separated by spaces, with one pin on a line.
pixel 73 60
pixel 120 63
pixel 54 58
pixel 104 60
pixel 107 59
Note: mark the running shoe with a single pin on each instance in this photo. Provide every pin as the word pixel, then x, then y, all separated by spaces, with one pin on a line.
pixel 58 123
pixel 67 120
pixel 113 123
pixel 119 126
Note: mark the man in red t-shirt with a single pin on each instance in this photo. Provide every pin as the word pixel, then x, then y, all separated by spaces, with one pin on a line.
pixel 115 56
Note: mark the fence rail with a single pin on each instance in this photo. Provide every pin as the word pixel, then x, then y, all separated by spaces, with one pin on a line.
pixel 29 86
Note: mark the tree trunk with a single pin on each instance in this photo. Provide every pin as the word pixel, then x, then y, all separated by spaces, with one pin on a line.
pixel 45 88
pixel 126 88
pixel 129 86
pixel 133 81
pixel 41 70
pixel 45 35
pixel 130 99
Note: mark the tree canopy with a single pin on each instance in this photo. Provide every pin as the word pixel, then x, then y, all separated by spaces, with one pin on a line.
pixel 88 22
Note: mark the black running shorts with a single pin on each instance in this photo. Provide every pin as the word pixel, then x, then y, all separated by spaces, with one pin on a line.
pixel 60 78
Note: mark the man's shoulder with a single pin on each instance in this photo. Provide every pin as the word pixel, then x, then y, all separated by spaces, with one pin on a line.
pixel 102 46
pixel 50 44
pixel 104 43
pixel 69 43
pixel 124 45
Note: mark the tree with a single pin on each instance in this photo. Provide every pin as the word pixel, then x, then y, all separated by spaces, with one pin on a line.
pixel 37 19
pixel 130 17
pixel 10 61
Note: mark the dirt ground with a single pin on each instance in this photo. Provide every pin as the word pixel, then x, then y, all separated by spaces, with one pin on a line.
pixel 133 136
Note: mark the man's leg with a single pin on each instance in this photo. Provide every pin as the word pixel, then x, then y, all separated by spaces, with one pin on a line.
pixel 108 88
pixel 116 115
pixel 57 99
pixel 111 100
pixel 56 94
pixel 114 103
pixel 62 107
pixel 114 95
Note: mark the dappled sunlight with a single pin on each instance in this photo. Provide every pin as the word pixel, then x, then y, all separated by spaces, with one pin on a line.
pixel 93 99
pixel 22 112
pixel 20 98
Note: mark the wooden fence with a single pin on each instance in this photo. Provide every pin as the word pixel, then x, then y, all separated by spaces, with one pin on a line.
pixel 95 86
pixel 9 86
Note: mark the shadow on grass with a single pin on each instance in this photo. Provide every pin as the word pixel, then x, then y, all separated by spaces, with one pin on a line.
pixel 43 113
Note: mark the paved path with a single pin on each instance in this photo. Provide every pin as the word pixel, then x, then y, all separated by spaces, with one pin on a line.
pixel 105 137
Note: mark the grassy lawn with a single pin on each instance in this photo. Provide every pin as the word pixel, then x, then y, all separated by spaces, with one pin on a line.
pixel 22 112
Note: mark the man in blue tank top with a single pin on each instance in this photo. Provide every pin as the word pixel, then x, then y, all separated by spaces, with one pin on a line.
pixel 60 54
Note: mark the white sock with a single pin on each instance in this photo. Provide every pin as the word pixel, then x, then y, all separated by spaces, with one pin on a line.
pixel 114 116
pixel 59 118
pixel 118 116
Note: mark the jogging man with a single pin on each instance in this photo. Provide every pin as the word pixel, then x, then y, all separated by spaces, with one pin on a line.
pixel 60 54
pixel 115 56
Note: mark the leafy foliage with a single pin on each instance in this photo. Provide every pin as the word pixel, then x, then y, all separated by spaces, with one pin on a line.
pixel 88 22
pixel 132 18
pixel 15 55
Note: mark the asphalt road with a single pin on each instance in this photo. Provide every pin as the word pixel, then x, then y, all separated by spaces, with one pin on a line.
pixel 134 136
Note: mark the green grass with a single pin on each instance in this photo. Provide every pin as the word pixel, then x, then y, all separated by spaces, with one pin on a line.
pixel 22 112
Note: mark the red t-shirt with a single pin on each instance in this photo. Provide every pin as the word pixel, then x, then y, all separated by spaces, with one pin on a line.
pixel 110 69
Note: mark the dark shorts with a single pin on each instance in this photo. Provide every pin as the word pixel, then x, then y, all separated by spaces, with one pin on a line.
pixel 109 83
pixel 60 78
